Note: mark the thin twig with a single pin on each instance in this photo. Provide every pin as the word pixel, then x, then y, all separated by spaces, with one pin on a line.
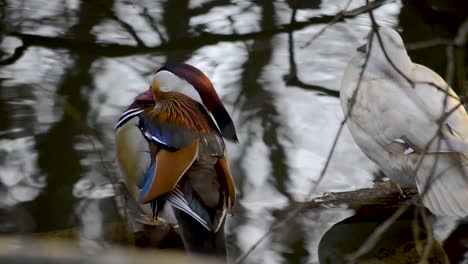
pixel 369 6
pixel 153 24
pixel 429 143
pixel 387 57
pixel 444 116
pixel 128 28
pixel 292 79
pixel 347 14
pixel 375 236
pixel 375 26
pixel 17 54
pixel 378 232
pixel 429 238
pixel 442 121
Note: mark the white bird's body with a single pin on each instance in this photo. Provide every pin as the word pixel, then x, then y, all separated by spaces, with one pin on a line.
pixel 394 123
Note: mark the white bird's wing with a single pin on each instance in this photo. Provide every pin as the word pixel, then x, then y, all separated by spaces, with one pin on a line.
pixel 442 182
pixel 410 116
pixel 441 103
pixel 394 122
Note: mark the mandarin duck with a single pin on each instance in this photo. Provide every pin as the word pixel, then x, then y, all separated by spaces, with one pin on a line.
pixel 171 151
pixel 399 117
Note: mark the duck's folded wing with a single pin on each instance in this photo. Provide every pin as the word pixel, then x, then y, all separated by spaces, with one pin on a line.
pixel 132 151
pixel 430 140
pixel 223 170
pixel 205 191
pixel 442 182
pixel 165 135
pixel 169 168
pixel 168 153
pixel 144 144
pixel 443 110
pixel 420 122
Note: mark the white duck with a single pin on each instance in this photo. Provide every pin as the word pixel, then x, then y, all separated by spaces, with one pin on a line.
pixel 393 121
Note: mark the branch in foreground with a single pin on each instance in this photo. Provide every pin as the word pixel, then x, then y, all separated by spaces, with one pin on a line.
pixel 382 194
pixel 163 235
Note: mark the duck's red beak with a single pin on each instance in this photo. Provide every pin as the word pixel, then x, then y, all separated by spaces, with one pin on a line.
pixel 145 97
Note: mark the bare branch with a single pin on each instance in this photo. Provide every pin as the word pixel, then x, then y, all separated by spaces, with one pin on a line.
pixel 369 6
pixel 385 193
pixel 430 239
pixel 336 19
pixel 19 51
pixel 153 24
pixel 292 78
pixel 128 28
pixel 436 135
pixel 441 122
pixel 311 87
pixel 347 14
pixel 379 38
pixel 411 82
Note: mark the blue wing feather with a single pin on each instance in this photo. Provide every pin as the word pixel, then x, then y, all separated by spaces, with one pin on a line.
pixel 147 180
pixel 165 135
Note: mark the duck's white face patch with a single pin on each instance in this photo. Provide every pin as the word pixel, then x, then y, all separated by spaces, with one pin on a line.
pixel 169 82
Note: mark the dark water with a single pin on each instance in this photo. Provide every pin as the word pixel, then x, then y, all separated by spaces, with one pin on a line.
pixel 84 61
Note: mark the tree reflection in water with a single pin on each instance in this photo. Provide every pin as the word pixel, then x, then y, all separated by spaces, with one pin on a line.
pixel 69 68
